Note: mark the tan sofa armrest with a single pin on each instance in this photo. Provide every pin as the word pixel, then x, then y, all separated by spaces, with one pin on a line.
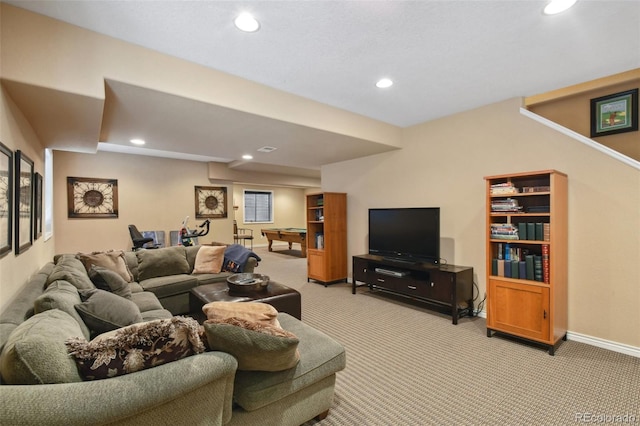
pixel 193 390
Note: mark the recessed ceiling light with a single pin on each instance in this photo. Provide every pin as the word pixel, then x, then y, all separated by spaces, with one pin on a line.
pixel 557 6
pixel 267 149
pixel 383 83
pixel 247 23
pixel 247 157
pixel 137 141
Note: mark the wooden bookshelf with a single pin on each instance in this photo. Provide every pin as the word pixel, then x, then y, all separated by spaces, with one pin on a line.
pixel 532 305
pixel 327 237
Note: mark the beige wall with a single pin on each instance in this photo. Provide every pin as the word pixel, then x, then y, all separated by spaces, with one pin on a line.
pixel 443 164
pixel 288 205
pixel 574 112
pixel 16 134
pixel 153 194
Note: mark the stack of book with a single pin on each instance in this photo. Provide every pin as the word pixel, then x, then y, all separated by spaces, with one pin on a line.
pixel 504 231
pixel 505 205
pixel 503 189
pixel 532 268
pixel 534 231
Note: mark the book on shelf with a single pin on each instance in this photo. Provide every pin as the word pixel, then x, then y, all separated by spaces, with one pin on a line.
pixel 515 269
pixel 505 188
pixel 537 268
pixel 546 232
pixel 507 268
pixel 500 267
pixel 546 277
pixel 504 231
pixel 522 231
pixel 529 189
pixel 539 231
pixel 522 266
pixel 507 205
pixel 529 267
pixel 319 240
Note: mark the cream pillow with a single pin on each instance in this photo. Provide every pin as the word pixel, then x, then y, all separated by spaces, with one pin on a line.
pixel 209 260
pixel 249 311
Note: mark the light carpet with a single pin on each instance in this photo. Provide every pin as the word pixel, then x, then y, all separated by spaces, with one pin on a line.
pixel 408 365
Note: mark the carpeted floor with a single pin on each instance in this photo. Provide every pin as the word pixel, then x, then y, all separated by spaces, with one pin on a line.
pixel 407 365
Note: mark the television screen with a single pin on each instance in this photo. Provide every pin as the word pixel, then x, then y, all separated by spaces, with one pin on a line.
pixel 410 234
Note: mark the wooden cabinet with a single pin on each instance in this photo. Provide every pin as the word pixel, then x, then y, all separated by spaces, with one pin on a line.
pixel 446 286
pixel 526 252
pixel 327 237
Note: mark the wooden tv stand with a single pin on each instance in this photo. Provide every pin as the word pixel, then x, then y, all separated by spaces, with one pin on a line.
pixel 444 286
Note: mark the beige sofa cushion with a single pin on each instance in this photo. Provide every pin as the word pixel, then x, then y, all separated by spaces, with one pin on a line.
pixel 35 352
pixel 209 260
pixel 111 260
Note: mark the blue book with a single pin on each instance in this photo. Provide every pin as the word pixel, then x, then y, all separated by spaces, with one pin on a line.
pixel 507 268
pixel 523 269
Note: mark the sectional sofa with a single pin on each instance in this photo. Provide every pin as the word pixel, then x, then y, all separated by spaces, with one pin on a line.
pixel 43 384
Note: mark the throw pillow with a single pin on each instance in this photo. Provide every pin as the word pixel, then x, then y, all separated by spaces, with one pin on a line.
pixel 112 260
pixel 250 311
pixel 136 347
pixel 35 352
pixel 256 346
pixel 64 296
pixel 103 311
pixel 209 260
pixel 108 280
pixel 162 262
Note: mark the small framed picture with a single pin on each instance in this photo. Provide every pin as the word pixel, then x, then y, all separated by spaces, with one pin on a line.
pixel 6 199
pixel 23 197
pixel 617 113
pixel 211 202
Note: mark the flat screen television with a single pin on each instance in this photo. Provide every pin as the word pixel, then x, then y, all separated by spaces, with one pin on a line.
pixel 407 234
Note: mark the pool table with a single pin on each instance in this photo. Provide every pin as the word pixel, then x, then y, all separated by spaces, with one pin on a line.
pixel 290 235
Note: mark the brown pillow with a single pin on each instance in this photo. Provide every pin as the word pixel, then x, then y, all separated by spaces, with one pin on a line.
pixel 250 311
pixel 135 348
pixel 209 260
pixel 256 346
pixel 112 260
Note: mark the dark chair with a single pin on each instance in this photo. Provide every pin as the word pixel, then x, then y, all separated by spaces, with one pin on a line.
pixel 242 234
pixel 138 239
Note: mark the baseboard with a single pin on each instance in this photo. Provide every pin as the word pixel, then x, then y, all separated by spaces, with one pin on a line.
pixel 593 341
pixel 605 344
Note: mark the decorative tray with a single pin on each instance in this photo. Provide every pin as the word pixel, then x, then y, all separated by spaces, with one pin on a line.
pixel 247 282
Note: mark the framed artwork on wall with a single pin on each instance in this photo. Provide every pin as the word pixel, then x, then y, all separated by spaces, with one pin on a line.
pixel 23 197
pixel 211 202
pixel 92 198
pixel 6 198
pixel 37 206
pixel 616 113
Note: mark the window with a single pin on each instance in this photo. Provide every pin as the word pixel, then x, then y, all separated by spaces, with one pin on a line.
pixel 48 193
pixel 258 206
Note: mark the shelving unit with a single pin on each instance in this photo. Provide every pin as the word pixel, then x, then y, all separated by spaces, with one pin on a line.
pixel 528 297
pixel 327 237
pixel 447 288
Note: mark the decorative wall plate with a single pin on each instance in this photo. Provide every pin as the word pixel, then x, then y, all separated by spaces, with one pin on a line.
pixel 211 202
pixel 92 198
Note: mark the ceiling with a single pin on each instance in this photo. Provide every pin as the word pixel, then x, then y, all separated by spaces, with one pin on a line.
pixel 444 57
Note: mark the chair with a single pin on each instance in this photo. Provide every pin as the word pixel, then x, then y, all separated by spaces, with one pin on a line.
pixel 242 234
pixel 138 239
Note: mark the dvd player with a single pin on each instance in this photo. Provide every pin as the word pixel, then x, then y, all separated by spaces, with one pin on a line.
pixel 392 272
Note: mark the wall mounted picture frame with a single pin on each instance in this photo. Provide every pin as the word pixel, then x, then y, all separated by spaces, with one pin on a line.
pixel 211 202
pixel 92 198
pixel 23 199
pixel 37 206
pixel 613 114
pixel 6 199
